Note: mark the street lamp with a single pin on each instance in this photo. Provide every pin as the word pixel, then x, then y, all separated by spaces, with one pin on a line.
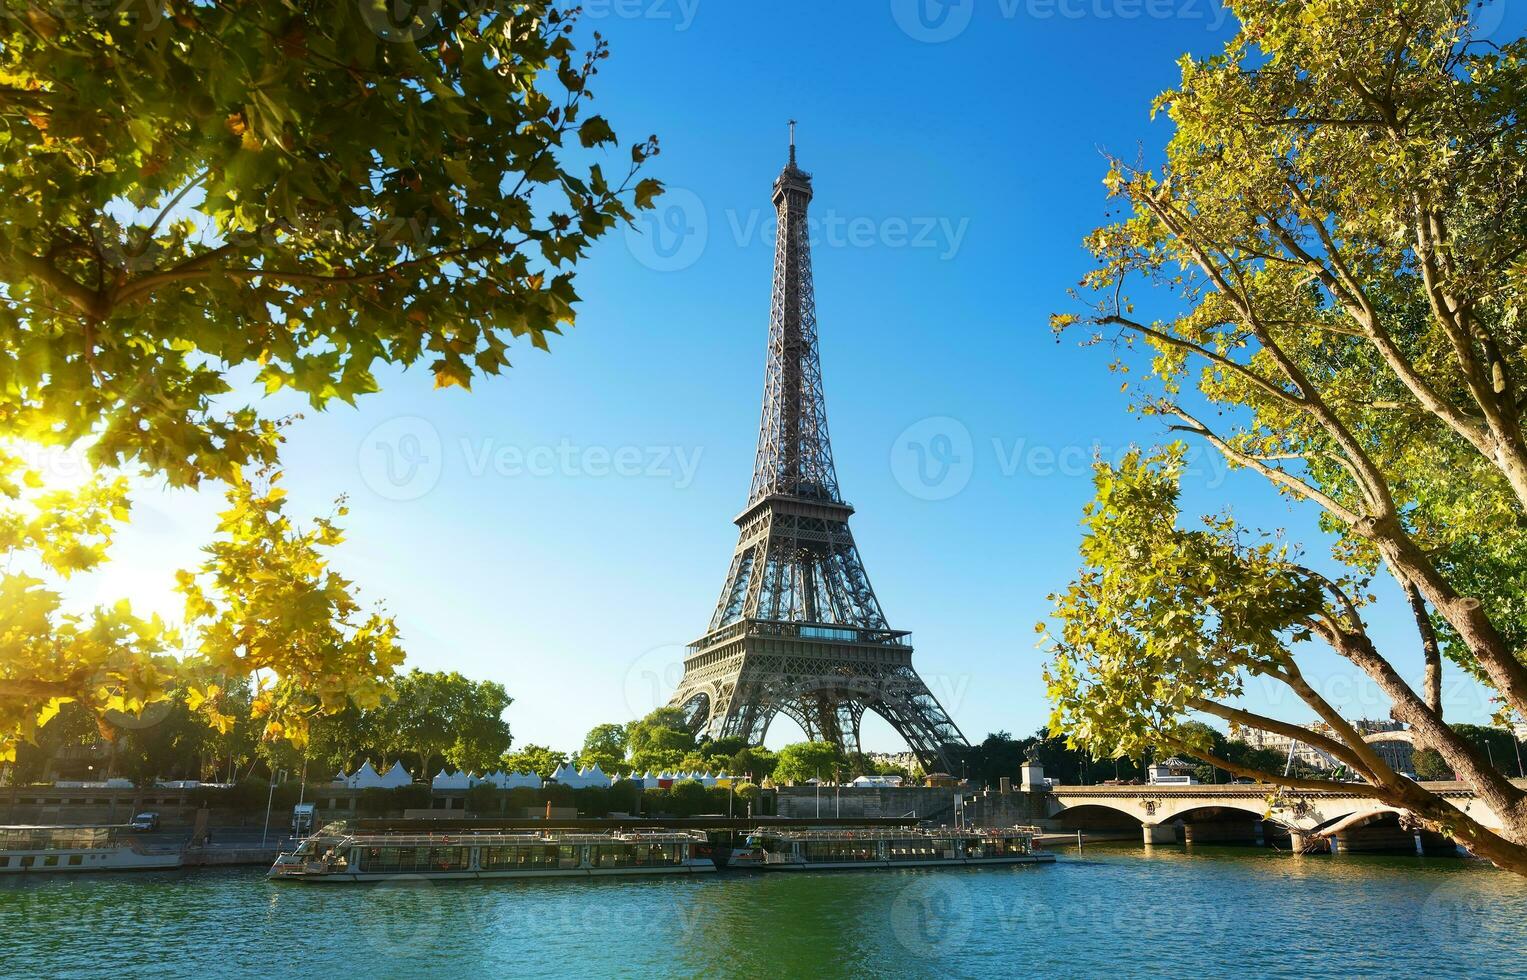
pixel 269 799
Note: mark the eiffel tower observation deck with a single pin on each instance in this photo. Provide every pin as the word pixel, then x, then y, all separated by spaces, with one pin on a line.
pixel 798 630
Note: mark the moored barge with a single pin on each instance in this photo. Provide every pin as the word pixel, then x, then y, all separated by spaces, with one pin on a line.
pixel 342 853
pixel 45 850
pixel 779 849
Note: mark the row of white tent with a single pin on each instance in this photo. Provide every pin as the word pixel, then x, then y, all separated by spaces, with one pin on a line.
pixel 651 781
pixel 367 777
pixel 501 779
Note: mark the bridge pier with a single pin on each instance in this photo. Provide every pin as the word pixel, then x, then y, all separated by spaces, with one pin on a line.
pixel 1222 832
pixel 1159 833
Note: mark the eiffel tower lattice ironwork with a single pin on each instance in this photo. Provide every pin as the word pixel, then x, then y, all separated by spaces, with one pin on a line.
pixel 798 629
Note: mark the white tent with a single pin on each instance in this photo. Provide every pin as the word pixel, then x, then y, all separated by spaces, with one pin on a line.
pixel 396 776
pixel 451 780
pixel 565 775
pixel 876 781
pixel 517 779
pixel 366 777
pixel 594 776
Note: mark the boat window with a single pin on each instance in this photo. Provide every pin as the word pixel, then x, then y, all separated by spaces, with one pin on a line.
pixel 526 856
pixel 26 862
pixel 636 855
pixel 76 859
pixel 5 861
pixel 841 850
pixel 51 861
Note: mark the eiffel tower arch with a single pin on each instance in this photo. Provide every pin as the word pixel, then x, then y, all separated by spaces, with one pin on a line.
pixel 798 630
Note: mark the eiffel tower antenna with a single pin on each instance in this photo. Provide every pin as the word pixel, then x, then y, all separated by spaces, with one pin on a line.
pixel 798 630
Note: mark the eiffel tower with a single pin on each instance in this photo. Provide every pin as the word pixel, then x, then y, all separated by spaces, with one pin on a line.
pixel 798 629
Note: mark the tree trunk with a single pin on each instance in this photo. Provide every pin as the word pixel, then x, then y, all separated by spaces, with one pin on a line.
pixel 1432 683
pixel 1492 786
pixel 1466 614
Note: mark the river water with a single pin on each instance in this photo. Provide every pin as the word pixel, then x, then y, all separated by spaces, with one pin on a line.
pixel 1112 911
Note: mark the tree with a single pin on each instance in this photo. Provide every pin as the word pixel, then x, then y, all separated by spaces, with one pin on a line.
pixel 998 755
pixel 802 761
pixel 1338 222
pixel 661 740
pixel 297 194
pixel 534 758
pixel 445 716
pixel 605 746
pixel 748 794
pixel 754 761
pixel 688 797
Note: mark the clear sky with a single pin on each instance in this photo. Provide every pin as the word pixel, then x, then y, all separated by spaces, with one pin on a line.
pixel 565 529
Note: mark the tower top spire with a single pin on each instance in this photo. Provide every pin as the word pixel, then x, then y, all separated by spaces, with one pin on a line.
pixel 792 142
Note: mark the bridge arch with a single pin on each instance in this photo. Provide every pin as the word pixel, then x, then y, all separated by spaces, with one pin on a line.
pixel 1097 816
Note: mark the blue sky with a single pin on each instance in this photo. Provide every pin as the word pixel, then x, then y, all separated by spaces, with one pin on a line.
pixel 565 529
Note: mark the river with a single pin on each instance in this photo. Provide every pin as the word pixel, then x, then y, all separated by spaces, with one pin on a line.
pixel 1113 911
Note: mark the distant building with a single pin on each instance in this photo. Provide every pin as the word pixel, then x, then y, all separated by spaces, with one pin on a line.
pixel 1173 771
pixel 1395 752
pixel 905 761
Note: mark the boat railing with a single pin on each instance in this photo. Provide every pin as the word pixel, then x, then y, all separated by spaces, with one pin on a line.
pixel 507 839
pixel 948 833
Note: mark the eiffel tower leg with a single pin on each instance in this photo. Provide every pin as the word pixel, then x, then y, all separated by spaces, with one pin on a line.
pixel 915 713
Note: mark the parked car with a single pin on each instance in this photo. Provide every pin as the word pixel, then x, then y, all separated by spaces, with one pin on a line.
pixel 146 821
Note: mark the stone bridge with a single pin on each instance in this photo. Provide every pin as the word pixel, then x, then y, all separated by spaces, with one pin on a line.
pixel 1241 811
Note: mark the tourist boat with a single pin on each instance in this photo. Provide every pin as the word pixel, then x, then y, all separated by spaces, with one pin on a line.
pixel 340 852
pixel 46 850
pixel 776 849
